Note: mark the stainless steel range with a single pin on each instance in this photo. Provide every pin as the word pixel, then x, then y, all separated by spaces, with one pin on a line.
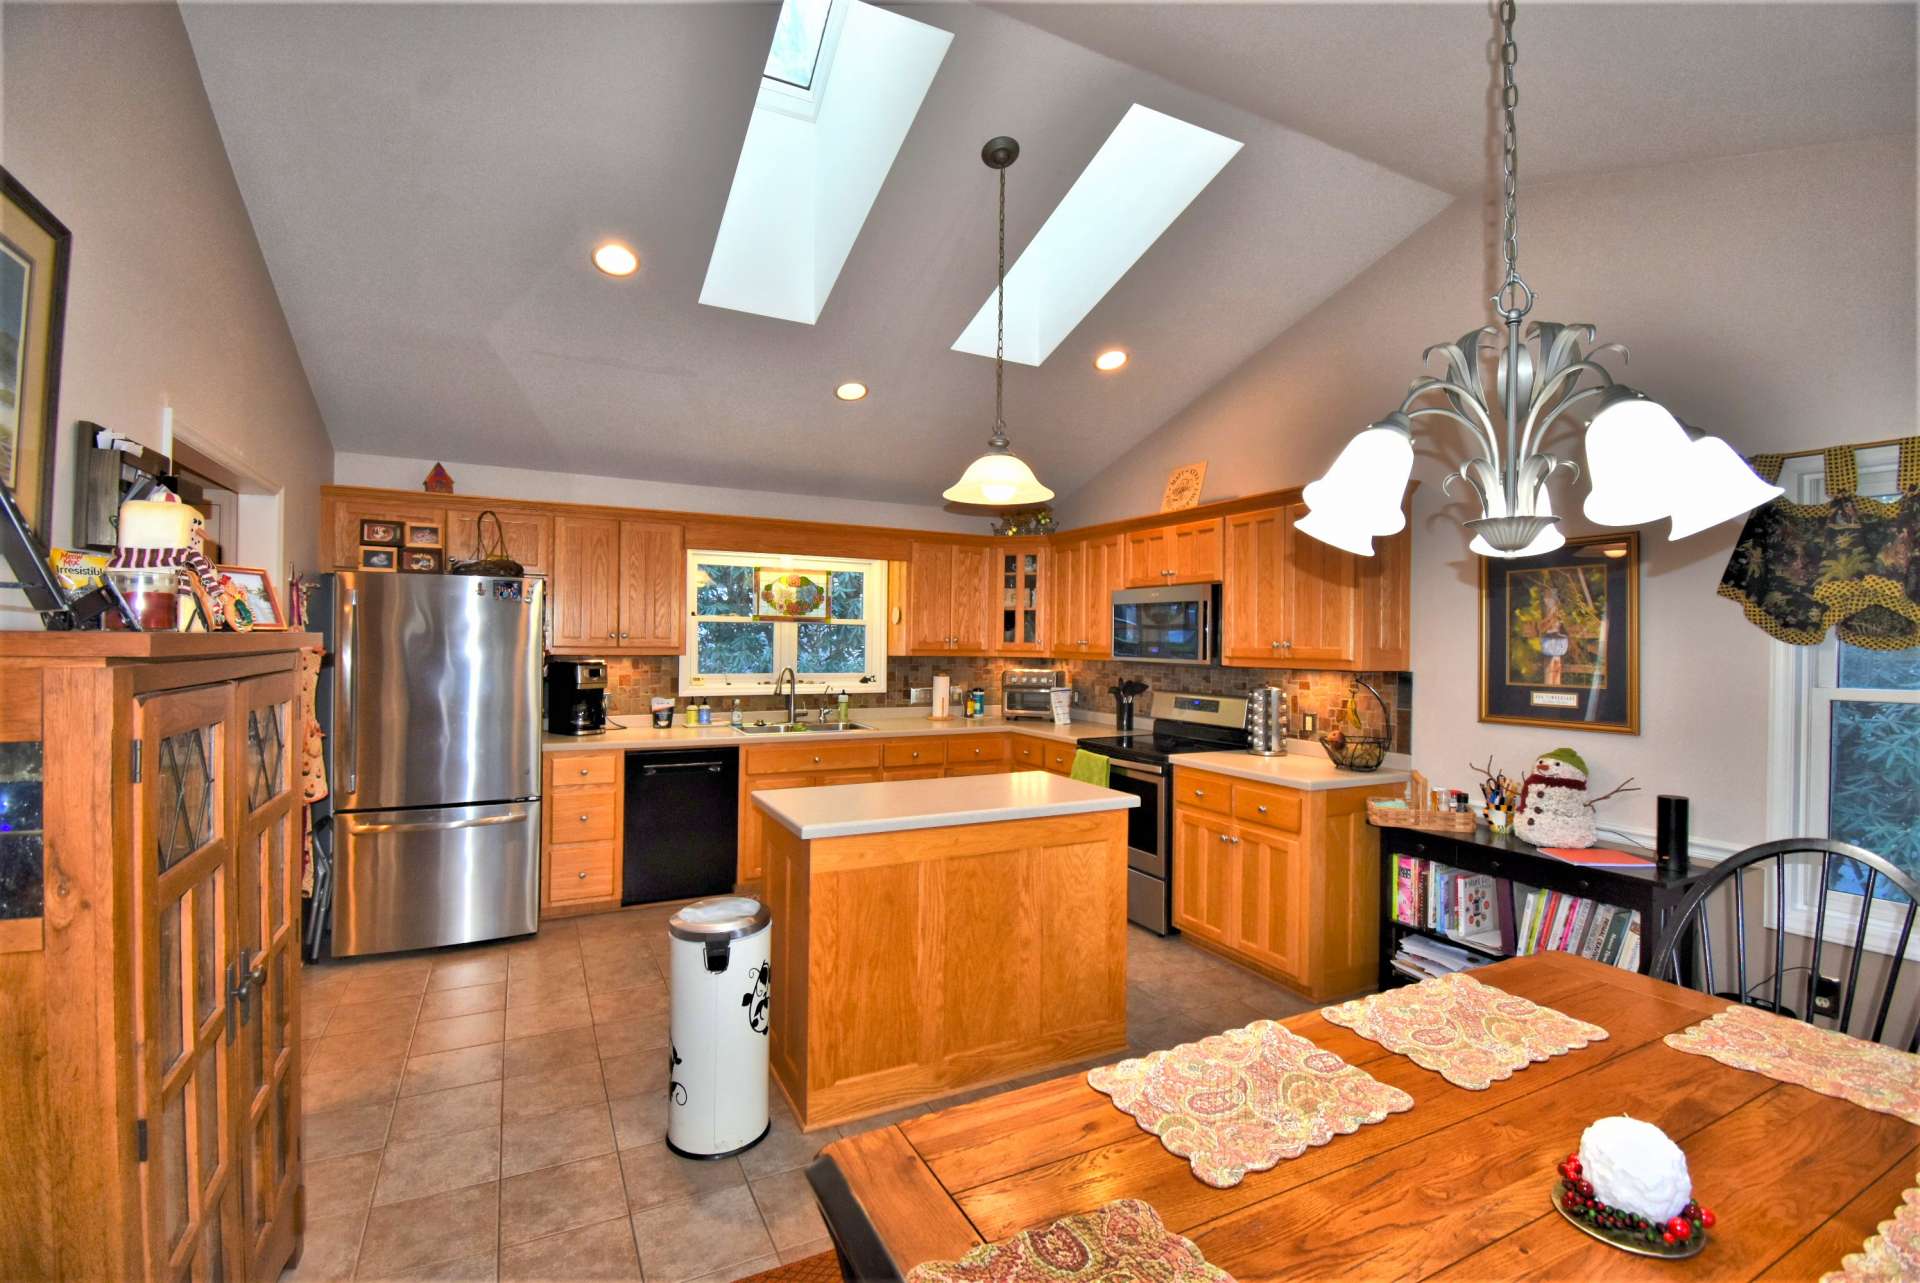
pixel 1142 765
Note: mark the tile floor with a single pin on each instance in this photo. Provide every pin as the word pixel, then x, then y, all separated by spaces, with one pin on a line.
pixel 497 1112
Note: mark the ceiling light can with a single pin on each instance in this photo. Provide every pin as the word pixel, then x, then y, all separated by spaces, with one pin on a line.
pixel 616 259
pixel 1110 360
pixel 851 391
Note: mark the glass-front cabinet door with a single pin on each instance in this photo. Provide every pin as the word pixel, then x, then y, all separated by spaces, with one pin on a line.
pixel 1020 580
pixel 186 954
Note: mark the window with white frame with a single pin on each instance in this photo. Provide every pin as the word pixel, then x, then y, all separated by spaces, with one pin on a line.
pixel 1847 747
pixel 754 615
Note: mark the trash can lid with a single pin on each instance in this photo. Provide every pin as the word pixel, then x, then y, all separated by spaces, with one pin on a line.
pixel 725 917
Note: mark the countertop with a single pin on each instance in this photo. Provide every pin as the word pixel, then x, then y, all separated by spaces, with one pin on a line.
pixel 885 723
pixel 1310 771
pixel 850 810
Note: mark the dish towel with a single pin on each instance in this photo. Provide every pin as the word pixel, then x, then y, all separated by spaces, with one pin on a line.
pixel 1091 768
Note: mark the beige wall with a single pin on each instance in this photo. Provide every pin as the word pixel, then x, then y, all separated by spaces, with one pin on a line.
pixel 170 304
pixel 1769 298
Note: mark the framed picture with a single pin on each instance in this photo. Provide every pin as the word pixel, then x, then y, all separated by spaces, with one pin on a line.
pixel 385 533
pixel 379 557
pixel 257 587
pixel 1560 636
pixel 35 249
pixel 423 561
pixel 1183 487
pixel 423 534
pixel 790 594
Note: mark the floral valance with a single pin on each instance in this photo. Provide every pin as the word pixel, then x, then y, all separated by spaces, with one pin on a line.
pixel 1851 564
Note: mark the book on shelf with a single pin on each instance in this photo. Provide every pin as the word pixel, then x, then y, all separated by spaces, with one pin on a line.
pixel 1500 916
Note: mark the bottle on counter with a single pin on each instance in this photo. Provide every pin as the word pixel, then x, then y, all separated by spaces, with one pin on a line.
pixel 706 713
pixel 841 708
pixel 692 714
pixel 977 702
pixel 739 717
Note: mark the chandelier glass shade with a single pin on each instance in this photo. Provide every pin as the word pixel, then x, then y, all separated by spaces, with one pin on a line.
pixel 999 477
pixel 1510 385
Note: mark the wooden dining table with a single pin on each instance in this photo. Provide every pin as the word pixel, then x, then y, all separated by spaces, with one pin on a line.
pixel 1456 1188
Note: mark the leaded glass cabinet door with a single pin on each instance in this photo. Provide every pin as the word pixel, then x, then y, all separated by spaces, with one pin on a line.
pixel 184 855
pixel 1019 581
pixel 268 842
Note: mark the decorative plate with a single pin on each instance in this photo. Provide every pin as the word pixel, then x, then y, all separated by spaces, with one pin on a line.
pixel 1634 1241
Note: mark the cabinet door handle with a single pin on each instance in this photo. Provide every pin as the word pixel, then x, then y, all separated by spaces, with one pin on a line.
pixel 816 757
pixel 624 636
pixel 582 875
pixel 584 771
pixel 583 814
pixel 1235 841
pixel 915 753
pixel 613 636
pixel 1224 838
pixel 1199 792
pixel 1261 809
pixel 976 752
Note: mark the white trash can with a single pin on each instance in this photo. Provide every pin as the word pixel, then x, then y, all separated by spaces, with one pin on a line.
pixel 717 1074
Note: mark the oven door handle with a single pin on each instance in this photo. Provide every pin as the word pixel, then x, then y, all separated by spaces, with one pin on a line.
pixel 1137 769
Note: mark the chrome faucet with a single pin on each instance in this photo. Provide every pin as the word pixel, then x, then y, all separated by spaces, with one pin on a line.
pixel 793 691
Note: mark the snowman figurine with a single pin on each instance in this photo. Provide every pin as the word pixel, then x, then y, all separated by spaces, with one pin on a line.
pixel 1554 807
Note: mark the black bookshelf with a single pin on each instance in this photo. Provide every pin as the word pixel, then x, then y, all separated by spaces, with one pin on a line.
pixel 1656 894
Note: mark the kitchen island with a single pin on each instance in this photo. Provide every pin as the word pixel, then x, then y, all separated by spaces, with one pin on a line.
pixel 933 935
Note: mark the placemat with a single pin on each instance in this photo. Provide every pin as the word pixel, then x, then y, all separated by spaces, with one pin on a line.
pixel 1241 1101
pixel 1122 1242
pixel 1892 1253
pixel 1823 1060
pixel 1469 1033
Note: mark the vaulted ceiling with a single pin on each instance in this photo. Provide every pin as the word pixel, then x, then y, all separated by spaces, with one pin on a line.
pixel 426 182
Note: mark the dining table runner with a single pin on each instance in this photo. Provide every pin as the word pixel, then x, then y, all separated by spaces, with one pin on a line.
pixel 1823 1060
pixel 1893 1252
pixel 1120 1242
pixel 1469 1033
pixel 1241 1101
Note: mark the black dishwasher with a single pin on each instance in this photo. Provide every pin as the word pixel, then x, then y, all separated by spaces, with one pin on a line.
pixel 682 817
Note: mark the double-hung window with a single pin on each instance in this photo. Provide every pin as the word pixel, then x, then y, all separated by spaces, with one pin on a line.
pixel 757 614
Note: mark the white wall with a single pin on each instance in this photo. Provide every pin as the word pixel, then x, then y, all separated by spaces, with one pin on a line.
pixel 1769 298
pixel 169 301
pixel 350 469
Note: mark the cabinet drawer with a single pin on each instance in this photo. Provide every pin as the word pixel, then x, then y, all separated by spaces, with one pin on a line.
pixel 1060 759
pixel 979 768
pixel 566 770
pixel 1204 792
pixel 1029 752
pixel 811 757
pixel 580 871
pixel 582 815
pixel 973 749
pixel 915 772
pixel 929 751
pixel 1270 808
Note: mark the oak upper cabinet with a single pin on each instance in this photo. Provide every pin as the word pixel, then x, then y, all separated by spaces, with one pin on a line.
pixel 528 536
pixel 1288 599
pixel 1184 553
pixel 1021 582
pixel 618 586
pixel 1085 575
pixel 1383 605
pixel 349 513
pixel 1066 599
pixel 948 594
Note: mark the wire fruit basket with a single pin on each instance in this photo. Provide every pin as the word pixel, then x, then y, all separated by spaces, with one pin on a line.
pixel 1359 752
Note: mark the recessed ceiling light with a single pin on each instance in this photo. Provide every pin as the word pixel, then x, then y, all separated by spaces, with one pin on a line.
pixel 616 259
pixel 851 391
pixel 1111 359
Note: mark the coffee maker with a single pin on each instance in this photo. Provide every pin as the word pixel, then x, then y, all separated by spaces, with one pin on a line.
pixel 576 696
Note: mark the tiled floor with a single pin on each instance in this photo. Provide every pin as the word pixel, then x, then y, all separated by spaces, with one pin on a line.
pixel 497 1112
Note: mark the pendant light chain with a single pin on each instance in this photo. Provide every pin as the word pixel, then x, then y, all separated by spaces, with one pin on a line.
pixel 1514 299
pixel 1000 336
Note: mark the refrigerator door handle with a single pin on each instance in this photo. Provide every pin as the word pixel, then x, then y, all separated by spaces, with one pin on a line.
pixel 432 826
pixel 348 704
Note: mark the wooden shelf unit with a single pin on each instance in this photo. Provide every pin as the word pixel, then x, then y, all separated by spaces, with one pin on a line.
pixel 1654 894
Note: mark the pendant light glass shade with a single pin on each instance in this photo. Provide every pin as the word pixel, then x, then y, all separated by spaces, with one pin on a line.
pixel 1635 449
pixel 1360 497
pixel 1000 478
pixel 1719 486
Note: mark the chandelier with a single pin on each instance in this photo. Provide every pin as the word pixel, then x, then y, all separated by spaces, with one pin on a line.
pixel 999 476
pixel 1510 392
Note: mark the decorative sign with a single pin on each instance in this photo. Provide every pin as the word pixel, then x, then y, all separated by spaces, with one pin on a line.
pixel 1183 487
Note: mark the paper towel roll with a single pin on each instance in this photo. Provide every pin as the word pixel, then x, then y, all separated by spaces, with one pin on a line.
pixel 942 706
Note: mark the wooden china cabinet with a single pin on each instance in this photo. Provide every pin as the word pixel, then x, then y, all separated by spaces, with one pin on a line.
pixel 149 955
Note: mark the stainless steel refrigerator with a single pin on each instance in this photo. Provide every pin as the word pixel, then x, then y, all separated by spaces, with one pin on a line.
pixel 432 717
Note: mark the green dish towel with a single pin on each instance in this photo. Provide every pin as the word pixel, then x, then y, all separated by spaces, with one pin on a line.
pixel 1091 768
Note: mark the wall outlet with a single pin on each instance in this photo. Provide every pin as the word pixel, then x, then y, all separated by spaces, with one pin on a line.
pixel 919 694
pixel 1826 996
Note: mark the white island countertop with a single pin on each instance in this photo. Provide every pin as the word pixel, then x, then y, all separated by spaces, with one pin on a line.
pixel 893 806
pixel 1309 771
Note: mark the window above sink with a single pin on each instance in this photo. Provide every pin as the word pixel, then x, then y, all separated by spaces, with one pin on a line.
pixel 756 614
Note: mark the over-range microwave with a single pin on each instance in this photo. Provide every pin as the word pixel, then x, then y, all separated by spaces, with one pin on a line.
pixel 1173 625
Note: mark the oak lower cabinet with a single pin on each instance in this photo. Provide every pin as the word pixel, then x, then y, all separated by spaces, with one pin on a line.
pixel 583 832
pixel 618 587
pixel 149 956
pixel 1285 881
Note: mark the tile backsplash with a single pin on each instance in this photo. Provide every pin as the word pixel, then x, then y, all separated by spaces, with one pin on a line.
pixel 633 681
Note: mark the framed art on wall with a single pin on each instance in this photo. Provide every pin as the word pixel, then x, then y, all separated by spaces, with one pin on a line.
pixel 1560 636
pixel 256 586
pixel 35 248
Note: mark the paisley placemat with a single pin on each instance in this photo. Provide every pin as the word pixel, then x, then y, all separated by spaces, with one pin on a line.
pixel 1892 1253
pixel 1121 1242
pixel 1469 1033
pixel 1241 1101
pixel 1822 1060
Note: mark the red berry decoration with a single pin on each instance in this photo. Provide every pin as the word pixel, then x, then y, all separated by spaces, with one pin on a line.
pixel 1667 1238
pixel 1706 1219
pixel 1586 1188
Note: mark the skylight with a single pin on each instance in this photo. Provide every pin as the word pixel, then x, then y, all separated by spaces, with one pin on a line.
pixel 1142 178
pixel 797 36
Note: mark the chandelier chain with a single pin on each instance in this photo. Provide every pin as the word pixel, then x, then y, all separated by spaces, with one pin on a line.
pixel 1000 335
pixel 1514 298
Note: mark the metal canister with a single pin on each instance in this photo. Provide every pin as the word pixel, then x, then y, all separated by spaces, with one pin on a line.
pixel 1268 723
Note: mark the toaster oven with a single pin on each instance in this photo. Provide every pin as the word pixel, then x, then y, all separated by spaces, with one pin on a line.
pixel 1028 692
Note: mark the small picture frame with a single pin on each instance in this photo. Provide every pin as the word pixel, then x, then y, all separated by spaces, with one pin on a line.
pixel 381 557
pixel 423 534
pixel 423 561
pixel 386 534
pixel 256 585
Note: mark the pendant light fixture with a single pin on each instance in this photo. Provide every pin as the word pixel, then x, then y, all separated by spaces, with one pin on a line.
pixel 999 477
pixel 1643 463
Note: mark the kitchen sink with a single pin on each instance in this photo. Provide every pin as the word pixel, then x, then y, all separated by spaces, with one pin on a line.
pixel 810 728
